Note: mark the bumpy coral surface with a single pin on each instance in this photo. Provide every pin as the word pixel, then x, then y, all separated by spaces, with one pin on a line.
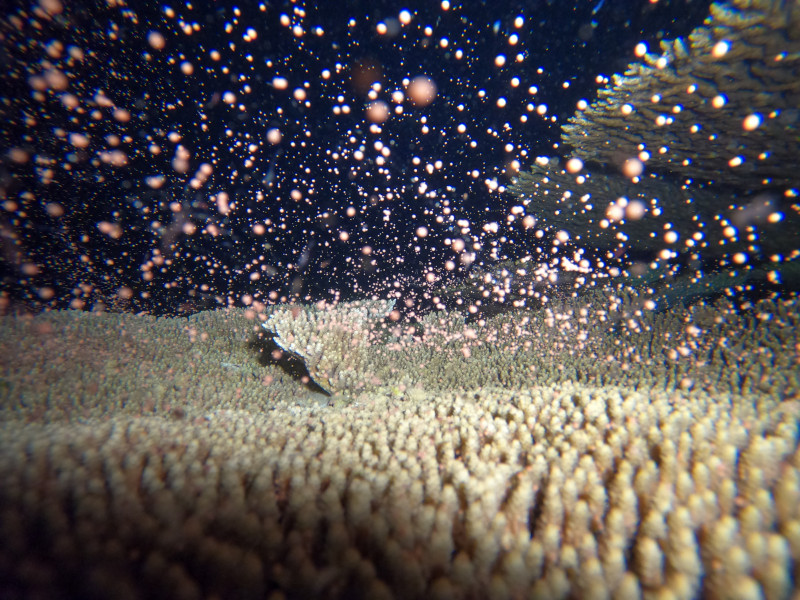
pixel 335 344
pixel 592 451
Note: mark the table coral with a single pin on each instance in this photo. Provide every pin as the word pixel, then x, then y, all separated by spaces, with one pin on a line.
pixel 658 458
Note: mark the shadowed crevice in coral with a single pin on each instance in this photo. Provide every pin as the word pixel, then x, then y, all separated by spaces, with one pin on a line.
pixel 270 353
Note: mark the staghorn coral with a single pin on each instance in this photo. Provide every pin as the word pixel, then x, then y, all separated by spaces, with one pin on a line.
pixel 657 459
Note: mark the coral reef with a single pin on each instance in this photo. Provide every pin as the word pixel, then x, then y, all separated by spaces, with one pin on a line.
pixel 609 444
pixel 713 122
pixel 591 449
pixel 336 345
pixel 687 106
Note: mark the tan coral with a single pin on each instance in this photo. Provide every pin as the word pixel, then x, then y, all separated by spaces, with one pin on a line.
pixel 336 343
pixel 624 485
pixel 712 117
pixel 670 93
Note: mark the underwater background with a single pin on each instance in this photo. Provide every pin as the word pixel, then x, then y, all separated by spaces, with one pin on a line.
pixel 400 300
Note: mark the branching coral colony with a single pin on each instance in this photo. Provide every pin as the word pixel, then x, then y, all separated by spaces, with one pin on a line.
pixel 336 343
pixel 541 457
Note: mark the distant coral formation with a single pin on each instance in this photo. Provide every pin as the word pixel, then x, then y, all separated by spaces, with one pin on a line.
pixel 713 119
pixel 693 98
